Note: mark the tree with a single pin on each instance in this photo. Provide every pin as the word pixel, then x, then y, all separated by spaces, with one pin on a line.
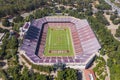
pixel 13 43
pixel 103 5
pixel 109 62
pixel 116 21
pixel 60 75
pixel 116 12
pixel 59 66
pixel 101 18
pixel 89 12
pixel 118 32
pixel 3 74
pixel 67 74
pixel 17 26
pixel 40 77
pixel 5 22
pixel 29 18
pixel 113 17
pixel 18 19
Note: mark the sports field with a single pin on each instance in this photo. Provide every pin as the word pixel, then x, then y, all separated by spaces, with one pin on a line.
pixel 58 42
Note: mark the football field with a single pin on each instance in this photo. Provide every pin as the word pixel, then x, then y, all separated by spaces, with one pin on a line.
pixel 58 42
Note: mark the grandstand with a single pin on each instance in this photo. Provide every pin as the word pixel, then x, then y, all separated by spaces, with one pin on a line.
pixel 82 48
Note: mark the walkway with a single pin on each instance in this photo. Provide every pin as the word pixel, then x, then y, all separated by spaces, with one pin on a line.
pixel 111 27
pixel 107 68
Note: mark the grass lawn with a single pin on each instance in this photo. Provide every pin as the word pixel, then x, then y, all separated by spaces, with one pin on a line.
pixel 58 42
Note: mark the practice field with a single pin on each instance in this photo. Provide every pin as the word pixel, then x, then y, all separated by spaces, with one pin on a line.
pixel 58 42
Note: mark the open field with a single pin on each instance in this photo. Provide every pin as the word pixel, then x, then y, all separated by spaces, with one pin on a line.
pixel 58 42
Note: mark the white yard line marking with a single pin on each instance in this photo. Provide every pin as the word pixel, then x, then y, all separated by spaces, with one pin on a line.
pixel 68 40
pixel 49 40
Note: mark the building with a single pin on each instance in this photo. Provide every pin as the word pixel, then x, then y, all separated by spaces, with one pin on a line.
pixel 89 74
pixel 84 42
pixel 25 28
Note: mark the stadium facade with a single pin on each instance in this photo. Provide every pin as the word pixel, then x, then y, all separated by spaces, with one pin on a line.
pixel 84 41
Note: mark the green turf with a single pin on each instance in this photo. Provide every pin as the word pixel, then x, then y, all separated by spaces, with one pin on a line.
pixel 59 42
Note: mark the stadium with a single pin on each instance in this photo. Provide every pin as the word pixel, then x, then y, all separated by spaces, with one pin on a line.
pixel 60 39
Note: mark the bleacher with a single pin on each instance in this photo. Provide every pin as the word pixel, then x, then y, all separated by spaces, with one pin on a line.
pixel 84 41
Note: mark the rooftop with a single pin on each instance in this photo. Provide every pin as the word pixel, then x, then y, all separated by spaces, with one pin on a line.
pixel 89 74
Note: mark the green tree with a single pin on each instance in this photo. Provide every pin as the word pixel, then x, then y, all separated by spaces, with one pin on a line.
pixel 5 22
pixel 67 74
pixel 116 21
pixel 18 19
pixel 13 43
pixel 118 32
pixel 113 17
pixel 60 75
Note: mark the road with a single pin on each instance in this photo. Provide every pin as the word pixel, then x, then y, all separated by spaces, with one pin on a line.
pixel 114 7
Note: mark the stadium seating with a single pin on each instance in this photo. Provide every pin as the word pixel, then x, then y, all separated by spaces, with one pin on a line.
pixel 84 41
